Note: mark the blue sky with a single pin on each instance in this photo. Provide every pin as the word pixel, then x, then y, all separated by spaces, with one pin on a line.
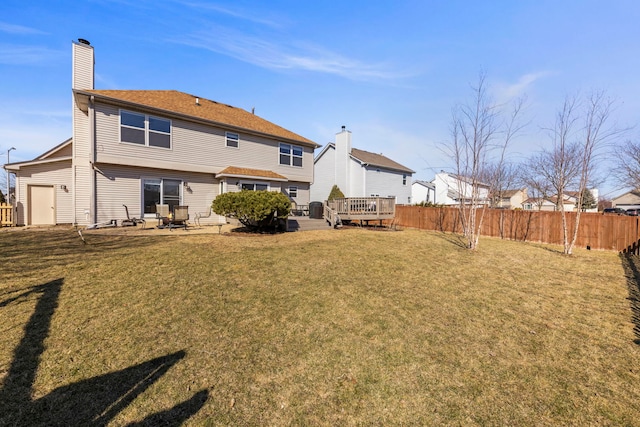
pixel 390 71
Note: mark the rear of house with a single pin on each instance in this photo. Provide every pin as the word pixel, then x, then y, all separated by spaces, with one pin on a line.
pixel 142 148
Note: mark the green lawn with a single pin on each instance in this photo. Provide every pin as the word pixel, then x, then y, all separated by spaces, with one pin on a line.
pixel 335 327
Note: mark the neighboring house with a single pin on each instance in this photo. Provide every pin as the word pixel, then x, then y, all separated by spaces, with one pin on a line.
pixel 358 173
pixel 143 147
pixel 451 189
pixel 423 192
pixel 545 204
pixel 569 201
pixel 628 200
pixel 511 199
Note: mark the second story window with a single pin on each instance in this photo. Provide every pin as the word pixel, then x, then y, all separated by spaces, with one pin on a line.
pixel 146 130
pixel 232 139
pixel 404 179
pixel 290 155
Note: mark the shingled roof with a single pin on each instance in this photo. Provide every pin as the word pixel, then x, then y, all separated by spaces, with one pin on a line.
pixel 176 102
pixel 374 159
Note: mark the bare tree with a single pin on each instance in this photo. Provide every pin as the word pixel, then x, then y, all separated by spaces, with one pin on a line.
pixel 628 164
pixel 581 130
pixel 502 177
pixel 480 135
pixel 539 188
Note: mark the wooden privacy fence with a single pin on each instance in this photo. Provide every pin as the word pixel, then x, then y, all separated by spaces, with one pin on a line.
pixel 598 231
pixel 6 215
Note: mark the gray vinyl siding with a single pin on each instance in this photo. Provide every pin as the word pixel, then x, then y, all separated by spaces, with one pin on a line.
pixel 56 174
pixel 83 211
pixel 388 183
pixel 82 77
pixel 82 166
pixel 118 185
pixel 357 180
pixel 194 147
pixel 324 176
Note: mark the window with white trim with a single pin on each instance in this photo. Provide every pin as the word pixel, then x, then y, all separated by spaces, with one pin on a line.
pixel 293 191
pixel 232 139
pixel 254 186
pixel 142 129
pixel 290 155
pixel 404 179
pixel 160 191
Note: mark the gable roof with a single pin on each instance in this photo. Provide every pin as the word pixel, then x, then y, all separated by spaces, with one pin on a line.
pixel 379 160
pixel 511 193
pixel 174 102
pixel 427 184
pixel 632 196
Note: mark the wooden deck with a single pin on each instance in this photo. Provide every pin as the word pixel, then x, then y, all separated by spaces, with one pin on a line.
pixel 363 209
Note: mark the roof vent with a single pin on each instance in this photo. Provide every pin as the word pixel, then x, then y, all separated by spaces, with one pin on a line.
pixel 344 128
pixel 197 101
pixel 84 41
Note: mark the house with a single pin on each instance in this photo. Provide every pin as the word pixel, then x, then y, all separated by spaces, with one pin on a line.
pixel 628 200
pixel 511 199
pixel 547 204
pixel 423 192
pixel 358 173
pixel 451 189
pixel 570 202
pixel 143 147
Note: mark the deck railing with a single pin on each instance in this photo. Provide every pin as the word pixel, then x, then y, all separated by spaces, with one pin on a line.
pixel 362 208
pixel 6 215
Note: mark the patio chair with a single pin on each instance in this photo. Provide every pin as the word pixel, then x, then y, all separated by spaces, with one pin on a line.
pixel 162 214
pixel 132 221
pixel 201 215
pixel 295 210
pixel 179 218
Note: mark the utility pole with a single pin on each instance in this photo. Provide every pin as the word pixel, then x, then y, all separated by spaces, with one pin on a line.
pixel 8 198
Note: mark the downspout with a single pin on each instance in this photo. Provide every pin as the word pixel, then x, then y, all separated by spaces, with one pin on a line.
pixel 92 157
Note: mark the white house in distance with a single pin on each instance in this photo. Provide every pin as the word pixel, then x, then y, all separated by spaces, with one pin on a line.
pixel 358 173
pixel 451 189
pixel 569 202
pixel 146 147
pixel 423 192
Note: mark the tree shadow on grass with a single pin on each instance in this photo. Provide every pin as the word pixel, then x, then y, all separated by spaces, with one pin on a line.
pixel 631 265
pixel 454 239
pixel 92 402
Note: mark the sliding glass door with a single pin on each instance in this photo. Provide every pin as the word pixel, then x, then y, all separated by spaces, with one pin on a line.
pixel 160 191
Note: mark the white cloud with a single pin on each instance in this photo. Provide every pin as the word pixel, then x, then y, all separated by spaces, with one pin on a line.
pixel 24 55
pixel 286 56
pixel 18 29
pixel 506 91
pixel 235 13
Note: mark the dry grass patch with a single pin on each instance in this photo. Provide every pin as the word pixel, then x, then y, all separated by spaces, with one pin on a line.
pixel 328 327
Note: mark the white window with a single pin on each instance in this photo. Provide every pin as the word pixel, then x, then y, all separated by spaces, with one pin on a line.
pixel 293 191
pixel 254 186
pixel 141 129
pixel 404 179
pixel 290 155
pixel 232 139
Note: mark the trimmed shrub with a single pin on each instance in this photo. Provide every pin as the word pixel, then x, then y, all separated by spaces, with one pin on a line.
pixel 256 210
pixel 335 193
